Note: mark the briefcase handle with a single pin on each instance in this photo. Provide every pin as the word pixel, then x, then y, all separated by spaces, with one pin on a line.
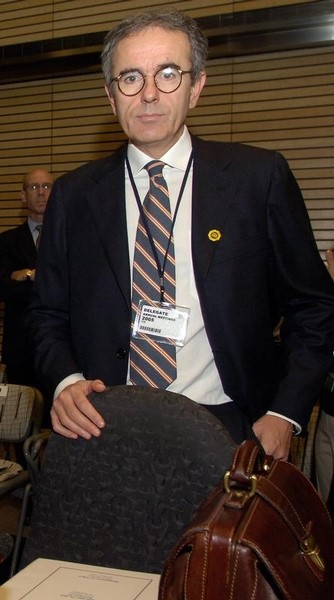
pixel 249 460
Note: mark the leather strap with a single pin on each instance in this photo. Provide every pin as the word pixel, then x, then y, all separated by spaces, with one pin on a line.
pixel 249 459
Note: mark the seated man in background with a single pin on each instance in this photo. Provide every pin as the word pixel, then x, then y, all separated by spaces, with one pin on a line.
pixel 223 248
pixel 18 251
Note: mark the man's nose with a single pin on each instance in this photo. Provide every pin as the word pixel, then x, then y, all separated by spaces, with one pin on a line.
pixel 150 91
pixel 43 192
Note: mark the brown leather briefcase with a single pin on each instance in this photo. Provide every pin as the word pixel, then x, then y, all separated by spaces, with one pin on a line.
pixel 264 533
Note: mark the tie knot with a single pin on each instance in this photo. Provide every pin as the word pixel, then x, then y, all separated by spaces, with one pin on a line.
pixel 38 227
pixel 154 167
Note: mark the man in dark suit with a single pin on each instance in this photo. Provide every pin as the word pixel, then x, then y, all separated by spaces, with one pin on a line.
pixel 244 255
pixel 17 272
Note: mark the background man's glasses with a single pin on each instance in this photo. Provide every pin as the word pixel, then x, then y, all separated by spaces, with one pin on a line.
pixel 167 80
pixel 33 187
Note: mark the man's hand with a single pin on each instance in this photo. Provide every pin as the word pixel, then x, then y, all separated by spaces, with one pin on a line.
pixel 23 275
pixel 274 434
pixel 72 414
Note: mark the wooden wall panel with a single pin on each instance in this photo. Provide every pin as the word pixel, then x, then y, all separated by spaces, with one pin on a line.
pixel 25 141
pixel 25 21
pixel 241 5
pixel 32 20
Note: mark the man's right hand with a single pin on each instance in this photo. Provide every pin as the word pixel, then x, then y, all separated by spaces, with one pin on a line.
pixel 72 414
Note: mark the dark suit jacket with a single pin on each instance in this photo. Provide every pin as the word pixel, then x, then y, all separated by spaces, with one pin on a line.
pixel 266 264
pixel 17 251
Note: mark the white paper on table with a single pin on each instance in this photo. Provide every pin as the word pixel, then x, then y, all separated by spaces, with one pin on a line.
pixel 71 581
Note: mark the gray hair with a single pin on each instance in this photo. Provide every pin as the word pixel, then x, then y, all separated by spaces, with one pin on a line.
pixel 170 20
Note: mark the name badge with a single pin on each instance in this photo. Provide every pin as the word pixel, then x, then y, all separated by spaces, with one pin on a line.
pixel 166 323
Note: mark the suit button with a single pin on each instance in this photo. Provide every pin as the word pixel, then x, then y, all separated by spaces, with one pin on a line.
pixel 121 353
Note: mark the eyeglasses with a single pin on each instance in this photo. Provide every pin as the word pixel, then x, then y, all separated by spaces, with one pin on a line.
pixel 167 80
pixel 33 187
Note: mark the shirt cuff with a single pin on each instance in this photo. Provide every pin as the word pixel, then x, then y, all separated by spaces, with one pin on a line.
pixel 67 381
pixel 296 427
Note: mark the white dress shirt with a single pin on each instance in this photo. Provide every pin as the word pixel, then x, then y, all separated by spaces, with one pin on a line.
pixel 197 375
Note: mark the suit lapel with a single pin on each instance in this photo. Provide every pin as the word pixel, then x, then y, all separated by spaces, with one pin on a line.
pixel 213 193
pixel 107 203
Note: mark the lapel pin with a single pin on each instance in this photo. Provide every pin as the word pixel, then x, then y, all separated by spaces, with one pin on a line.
pixel 214 235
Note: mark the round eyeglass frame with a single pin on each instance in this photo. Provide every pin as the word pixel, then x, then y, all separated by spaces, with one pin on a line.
pixel 118 78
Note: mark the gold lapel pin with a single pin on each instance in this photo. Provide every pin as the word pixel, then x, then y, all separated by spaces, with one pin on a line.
pixel 214 235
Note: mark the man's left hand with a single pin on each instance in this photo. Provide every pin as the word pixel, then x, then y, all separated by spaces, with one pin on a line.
pixel 274 434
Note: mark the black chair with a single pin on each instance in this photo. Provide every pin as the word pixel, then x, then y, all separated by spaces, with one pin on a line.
pixel 121 500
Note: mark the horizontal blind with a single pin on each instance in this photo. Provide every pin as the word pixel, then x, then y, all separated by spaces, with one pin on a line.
pixel 32 20
pixel 241 5
pixel 25 142
pixel 25 21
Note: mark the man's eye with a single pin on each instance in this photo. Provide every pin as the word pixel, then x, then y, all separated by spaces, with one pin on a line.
pixel 131 78
pixel 167 74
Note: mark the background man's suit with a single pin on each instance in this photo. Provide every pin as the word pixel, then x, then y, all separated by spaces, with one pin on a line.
pixel 17 251
pixel 245 281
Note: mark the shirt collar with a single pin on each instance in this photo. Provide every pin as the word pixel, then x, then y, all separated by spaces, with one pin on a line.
pixel 177 156
pixel 32 224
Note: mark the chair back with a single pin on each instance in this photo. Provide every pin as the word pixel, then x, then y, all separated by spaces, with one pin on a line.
pixel 20 411
pixel 122 499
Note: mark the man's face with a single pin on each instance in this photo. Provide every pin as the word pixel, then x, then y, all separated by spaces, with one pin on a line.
pixel 151 119
pixel 37 188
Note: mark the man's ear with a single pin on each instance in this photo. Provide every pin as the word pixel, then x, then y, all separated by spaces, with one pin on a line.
pixel 111 99
pixel 23 196
pixel 196 89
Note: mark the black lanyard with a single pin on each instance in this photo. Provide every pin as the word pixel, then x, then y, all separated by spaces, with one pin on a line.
pixel 160 268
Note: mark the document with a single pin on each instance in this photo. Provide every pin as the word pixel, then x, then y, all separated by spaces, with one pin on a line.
pixel 57 580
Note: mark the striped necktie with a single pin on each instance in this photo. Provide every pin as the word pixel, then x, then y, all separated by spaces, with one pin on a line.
pixel 151 363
